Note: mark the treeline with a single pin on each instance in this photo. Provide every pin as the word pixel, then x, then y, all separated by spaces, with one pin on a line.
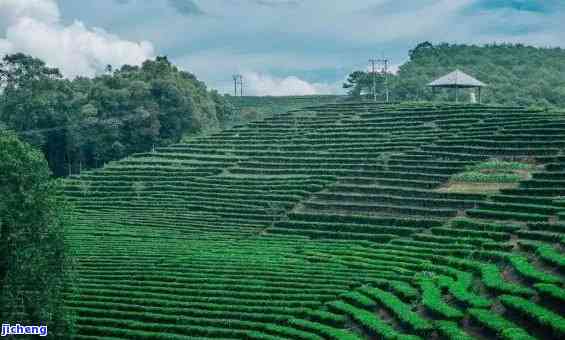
pixel 83 123
pixel 515 74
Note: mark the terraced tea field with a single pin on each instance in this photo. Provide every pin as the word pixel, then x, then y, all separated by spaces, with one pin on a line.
pixel 250 108
pixel 329 222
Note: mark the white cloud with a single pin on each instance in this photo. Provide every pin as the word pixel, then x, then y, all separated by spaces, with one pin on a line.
pixel 315 39
pixel 262 84
pixel 34 27
pixel 12 10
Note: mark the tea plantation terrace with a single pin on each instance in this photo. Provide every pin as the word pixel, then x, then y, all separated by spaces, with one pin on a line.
pixel 328 222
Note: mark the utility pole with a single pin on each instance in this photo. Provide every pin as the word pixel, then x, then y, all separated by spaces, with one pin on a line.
pixel 235 85
pixel 373 61
pixel 385 62
pixel 241 85
pixel 237 79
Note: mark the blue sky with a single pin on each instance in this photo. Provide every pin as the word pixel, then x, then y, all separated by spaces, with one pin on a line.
pixel 281 46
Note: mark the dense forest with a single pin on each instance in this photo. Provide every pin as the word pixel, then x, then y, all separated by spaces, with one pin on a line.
pixel 83 123
pixel 515 74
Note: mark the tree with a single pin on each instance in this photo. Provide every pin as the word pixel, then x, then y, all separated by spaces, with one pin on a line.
pixel 32 250
pixel 88 122
pixel 356 82
pixel 35 98
pixel 360 83
pixel 420 49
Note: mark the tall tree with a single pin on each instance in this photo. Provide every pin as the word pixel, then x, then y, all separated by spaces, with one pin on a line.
pixel 356 82
pixel 361 83
pixel 32 248
pixel 36 98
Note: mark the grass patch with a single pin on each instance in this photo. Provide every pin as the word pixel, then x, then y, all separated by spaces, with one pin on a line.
pixel 481 177
pixel 489 177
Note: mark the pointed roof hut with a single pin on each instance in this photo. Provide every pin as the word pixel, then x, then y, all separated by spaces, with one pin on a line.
pixel 456 80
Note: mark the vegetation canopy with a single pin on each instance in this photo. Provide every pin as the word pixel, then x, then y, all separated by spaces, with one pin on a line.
pixel 85 123
pixel 33 257
pixel 515 74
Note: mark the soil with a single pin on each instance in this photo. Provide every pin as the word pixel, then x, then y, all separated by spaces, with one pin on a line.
pixel 475 331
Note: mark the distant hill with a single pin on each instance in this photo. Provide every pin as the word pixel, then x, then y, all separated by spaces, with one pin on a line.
pixel 516 74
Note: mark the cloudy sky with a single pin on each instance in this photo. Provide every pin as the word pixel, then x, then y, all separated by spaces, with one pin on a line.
pixel 280 46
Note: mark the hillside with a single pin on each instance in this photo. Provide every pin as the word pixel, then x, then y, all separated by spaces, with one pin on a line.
pixel 251 108
pixel 515 74
pixel 331 222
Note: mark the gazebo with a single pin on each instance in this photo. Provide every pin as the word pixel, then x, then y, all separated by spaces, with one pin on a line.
pixel 458 80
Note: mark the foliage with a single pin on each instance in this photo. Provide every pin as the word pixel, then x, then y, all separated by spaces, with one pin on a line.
pixel 460 289
pixel 326 331
pixel 530 272
pixel 503 328
pixel 401 310
pixel 451 330
pixel 201 239
pixel 87 122
pixel 492 279
pixel 366 319
pixel 432 299
pixel 360 84
pixel 551 255
pixel 511 71
pixel 32 250
pixel 541 315
pixel 325 316
pixel 551 291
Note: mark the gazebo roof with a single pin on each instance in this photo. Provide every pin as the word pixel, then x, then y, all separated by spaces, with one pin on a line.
pixel 457 79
